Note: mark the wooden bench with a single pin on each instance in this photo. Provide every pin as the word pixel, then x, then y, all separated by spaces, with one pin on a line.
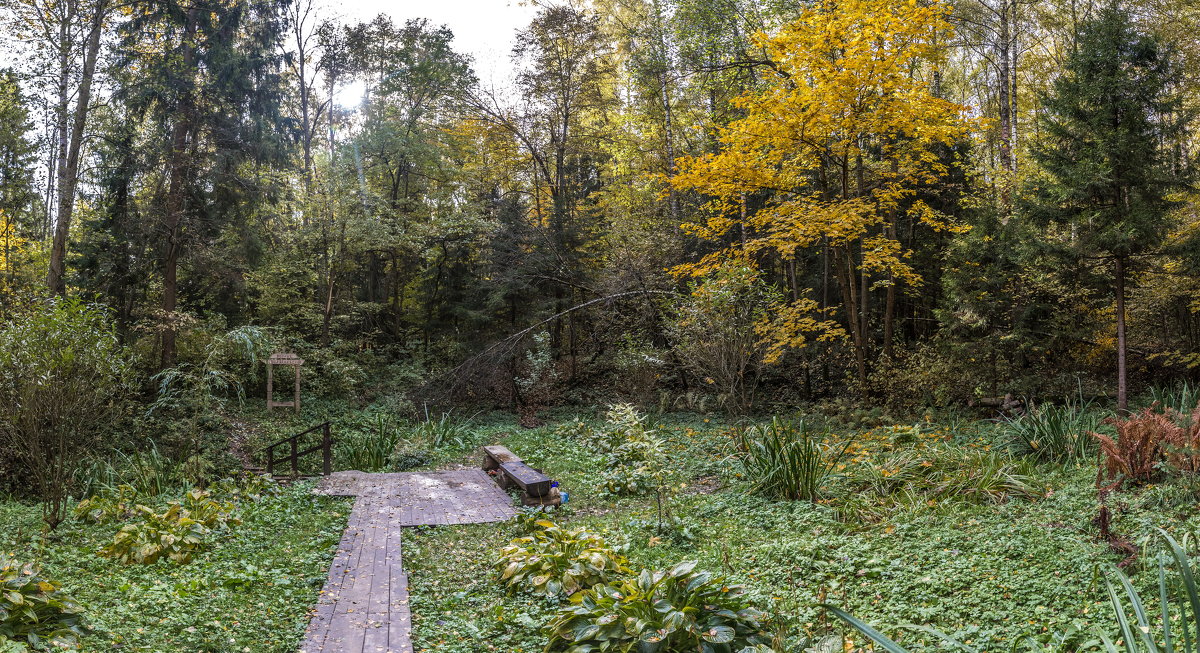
pixel 509 470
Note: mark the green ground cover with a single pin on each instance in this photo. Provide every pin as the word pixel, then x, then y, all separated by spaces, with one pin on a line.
pixel 250 591
pixel 933 523
pixel 989 572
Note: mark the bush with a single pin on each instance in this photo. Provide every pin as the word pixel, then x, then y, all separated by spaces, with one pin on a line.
pixel 63 377
pixel 553 561
pixel 34 610
pixel 716 331
pixel 1150 442
pixel 784 461
pixel 637 458
pixel 674 611
pixel 176 534
pixel 1054 433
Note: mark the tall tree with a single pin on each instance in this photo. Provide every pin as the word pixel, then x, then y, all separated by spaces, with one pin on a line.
pixel 1108 179
pixel 68 174
pixel 836 147
pixel 207 77
pixel 565 86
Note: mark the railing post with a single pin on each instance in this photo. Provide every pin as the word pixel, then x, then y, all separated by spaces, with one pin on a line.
pixel 327 467
pixel 271 460
pixel 295 460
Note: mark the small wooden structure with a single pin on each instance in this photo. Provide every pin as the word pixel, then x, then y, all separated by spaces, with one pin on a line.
pixel 283 358
pixel 509 470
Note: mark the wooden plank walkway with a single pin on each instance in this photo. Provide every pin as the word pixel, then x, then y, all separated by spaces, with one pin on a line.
pixel 364 606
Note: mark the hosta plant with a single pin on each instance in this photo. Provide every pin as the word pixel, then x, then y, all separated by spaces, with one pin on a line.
pixel 9 646
pixel 200 506
pixel 679 610
pixel 251 487
pixel 34 610
pixel 108 507
pixel 554 561
pixel 173 535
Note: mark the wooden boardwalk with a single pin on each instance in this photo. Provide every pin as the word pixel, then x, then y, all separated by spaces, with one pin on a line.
pixel 364 606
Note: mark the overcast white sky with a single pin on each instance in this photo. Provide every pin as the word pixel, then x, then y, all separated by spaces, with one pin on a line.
pixel 482 28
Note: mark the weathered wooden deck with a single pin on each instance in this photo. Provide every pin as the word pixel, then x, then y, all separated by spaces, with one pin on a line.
pixel 364 606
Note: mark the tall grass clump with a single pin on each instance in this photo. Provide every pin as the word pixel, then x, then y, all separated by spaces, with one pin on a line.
pixel 785 461
pixel 447 430
pixel 368 450
pixel 150 472
pixel 1054 433
pixel 1168 623
pixel 1182 397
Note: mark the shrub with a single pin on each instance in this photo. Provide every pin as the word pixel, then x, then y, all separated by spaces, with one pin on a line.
pixel 674 611
pixel 176 534
pixel 406 457
pixel 784 461
pixel 34 610
pixel 553 561
pixel 716 330
pixel 1147 440
pixel 637 458
pixel 1054 433
pixel 63 377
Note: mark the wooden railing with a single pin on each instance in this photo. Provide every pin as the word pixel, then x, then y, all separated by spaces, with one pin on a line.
pixel 293 456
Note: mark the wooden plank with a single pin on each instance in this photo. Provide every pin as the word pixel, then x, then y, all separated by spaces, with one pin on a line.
pixel 496 455
pixel 365 605
pixel 530 480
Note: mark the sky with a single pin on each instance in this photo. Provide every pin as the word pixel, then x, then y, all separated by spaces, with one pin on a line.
pixel 482 28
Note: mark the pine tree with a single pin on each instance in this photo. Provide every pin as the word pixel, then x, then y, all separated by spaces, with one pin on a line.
pixel 1108 179
pixel 205 78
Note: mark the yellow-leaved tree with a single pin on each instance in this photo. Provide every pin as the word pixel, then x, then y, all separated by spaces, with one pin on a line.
pixel 830 152
pixel 11 246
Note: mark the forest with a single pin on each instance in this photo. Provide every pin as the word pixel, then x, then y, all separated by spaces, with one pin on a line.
pixel 838 325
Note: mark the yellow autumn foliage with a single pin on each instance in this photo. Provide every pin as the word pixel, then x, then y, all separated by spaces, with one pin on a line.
pixel 11 246
pixel 838 139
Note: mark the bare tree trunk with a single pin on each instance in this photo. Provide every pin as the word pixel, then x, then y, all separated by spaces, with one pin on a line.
pixel 1004 86
pixel 176 189
pixel 69 176
pixel 850 300
pixel 1122 390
